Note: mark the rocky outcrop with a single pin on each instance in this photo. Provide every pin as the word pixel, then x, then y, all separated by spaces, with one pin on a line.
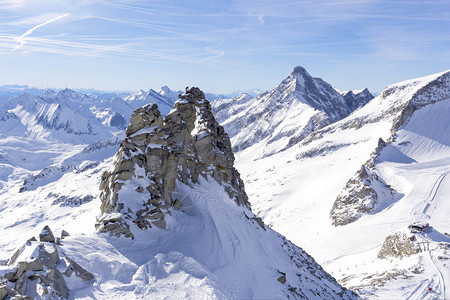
pixel 360 195
pixel 398 245
pixel 40 268
pixel 362 192
pixel 156 153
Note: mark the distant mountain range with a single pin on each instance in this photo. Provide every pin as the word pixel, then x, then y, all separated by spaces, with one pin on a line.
pixel 13 90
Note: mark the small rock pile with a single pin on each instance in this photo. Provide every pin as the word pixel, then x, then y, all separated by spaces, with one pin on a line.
pixel 156 153
pixel 398 245
pixel 40 267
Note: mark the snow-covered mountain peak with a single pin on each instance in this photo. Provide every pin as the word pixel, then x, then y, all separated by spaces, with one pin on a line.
pixel 373 173
pixel 48 95
pixel 141 97
pixel 244 98
pixel 136 95
pixel 68 94
pixel 167 92
pixel 357 98
pixel 301 86
pixel 300 71
pixel 284 116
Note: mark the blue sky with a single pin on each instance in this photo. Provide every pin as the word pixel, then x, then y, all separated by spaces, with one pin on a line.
pixel 220 46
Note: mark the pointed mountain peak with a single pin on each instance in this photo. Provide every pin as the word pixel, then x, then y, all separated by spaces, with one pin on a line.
pixel 165 88
pixel 67 94
pixel 365 91
pixel 48 93
pixel 299 70
pixel 350 93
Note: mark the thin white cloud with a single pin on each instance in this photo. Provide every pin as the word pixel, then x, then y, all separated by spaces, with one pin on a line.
pixel 22 38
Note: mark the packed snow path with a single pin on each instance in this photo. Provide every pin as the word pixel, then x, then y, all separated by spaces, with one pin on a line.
pixel 423 212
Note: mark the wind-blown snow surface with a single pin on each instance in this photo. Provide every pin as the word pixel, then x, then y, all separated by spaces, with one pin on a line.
pixel 294 190
pixel 204 253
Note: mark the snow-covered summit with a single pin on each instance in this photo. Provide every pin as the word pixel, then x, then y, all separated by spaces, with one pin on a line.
pixel 165 99
pixel 224 108
pixel 167 92
pixel 284 116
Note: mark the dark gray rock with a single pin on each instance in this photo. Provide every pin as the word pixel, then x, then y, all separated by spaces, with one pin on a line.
pixel 192 94
pixel 43 269
pixel 21 284
pixel 355 101
pixel 79 271
pixel 48 259
pixel 46 235
pixel 3 291
pixel 64 234
pixel 59 284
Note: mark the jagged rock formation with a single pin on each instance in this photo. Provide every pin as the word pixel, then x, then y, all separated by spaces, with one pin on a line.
pixel 40 268
pixel 355 100
pixel 186 144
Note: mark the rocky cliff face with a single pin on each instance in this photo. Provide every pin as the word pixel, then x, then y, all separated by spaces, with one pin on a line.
pixel 157 152
pixel 355 100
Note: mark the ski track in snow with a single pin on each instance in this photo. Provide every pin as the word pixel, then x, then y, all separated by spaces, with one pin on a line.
pixel 423 213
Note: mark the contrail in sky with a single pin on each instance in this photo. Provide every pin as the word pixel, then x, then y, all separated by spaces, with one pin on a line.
pixel 21 38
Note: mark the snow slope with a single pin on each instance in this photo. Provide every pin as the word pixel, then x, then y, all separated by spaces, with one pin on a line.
pixel 296 188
